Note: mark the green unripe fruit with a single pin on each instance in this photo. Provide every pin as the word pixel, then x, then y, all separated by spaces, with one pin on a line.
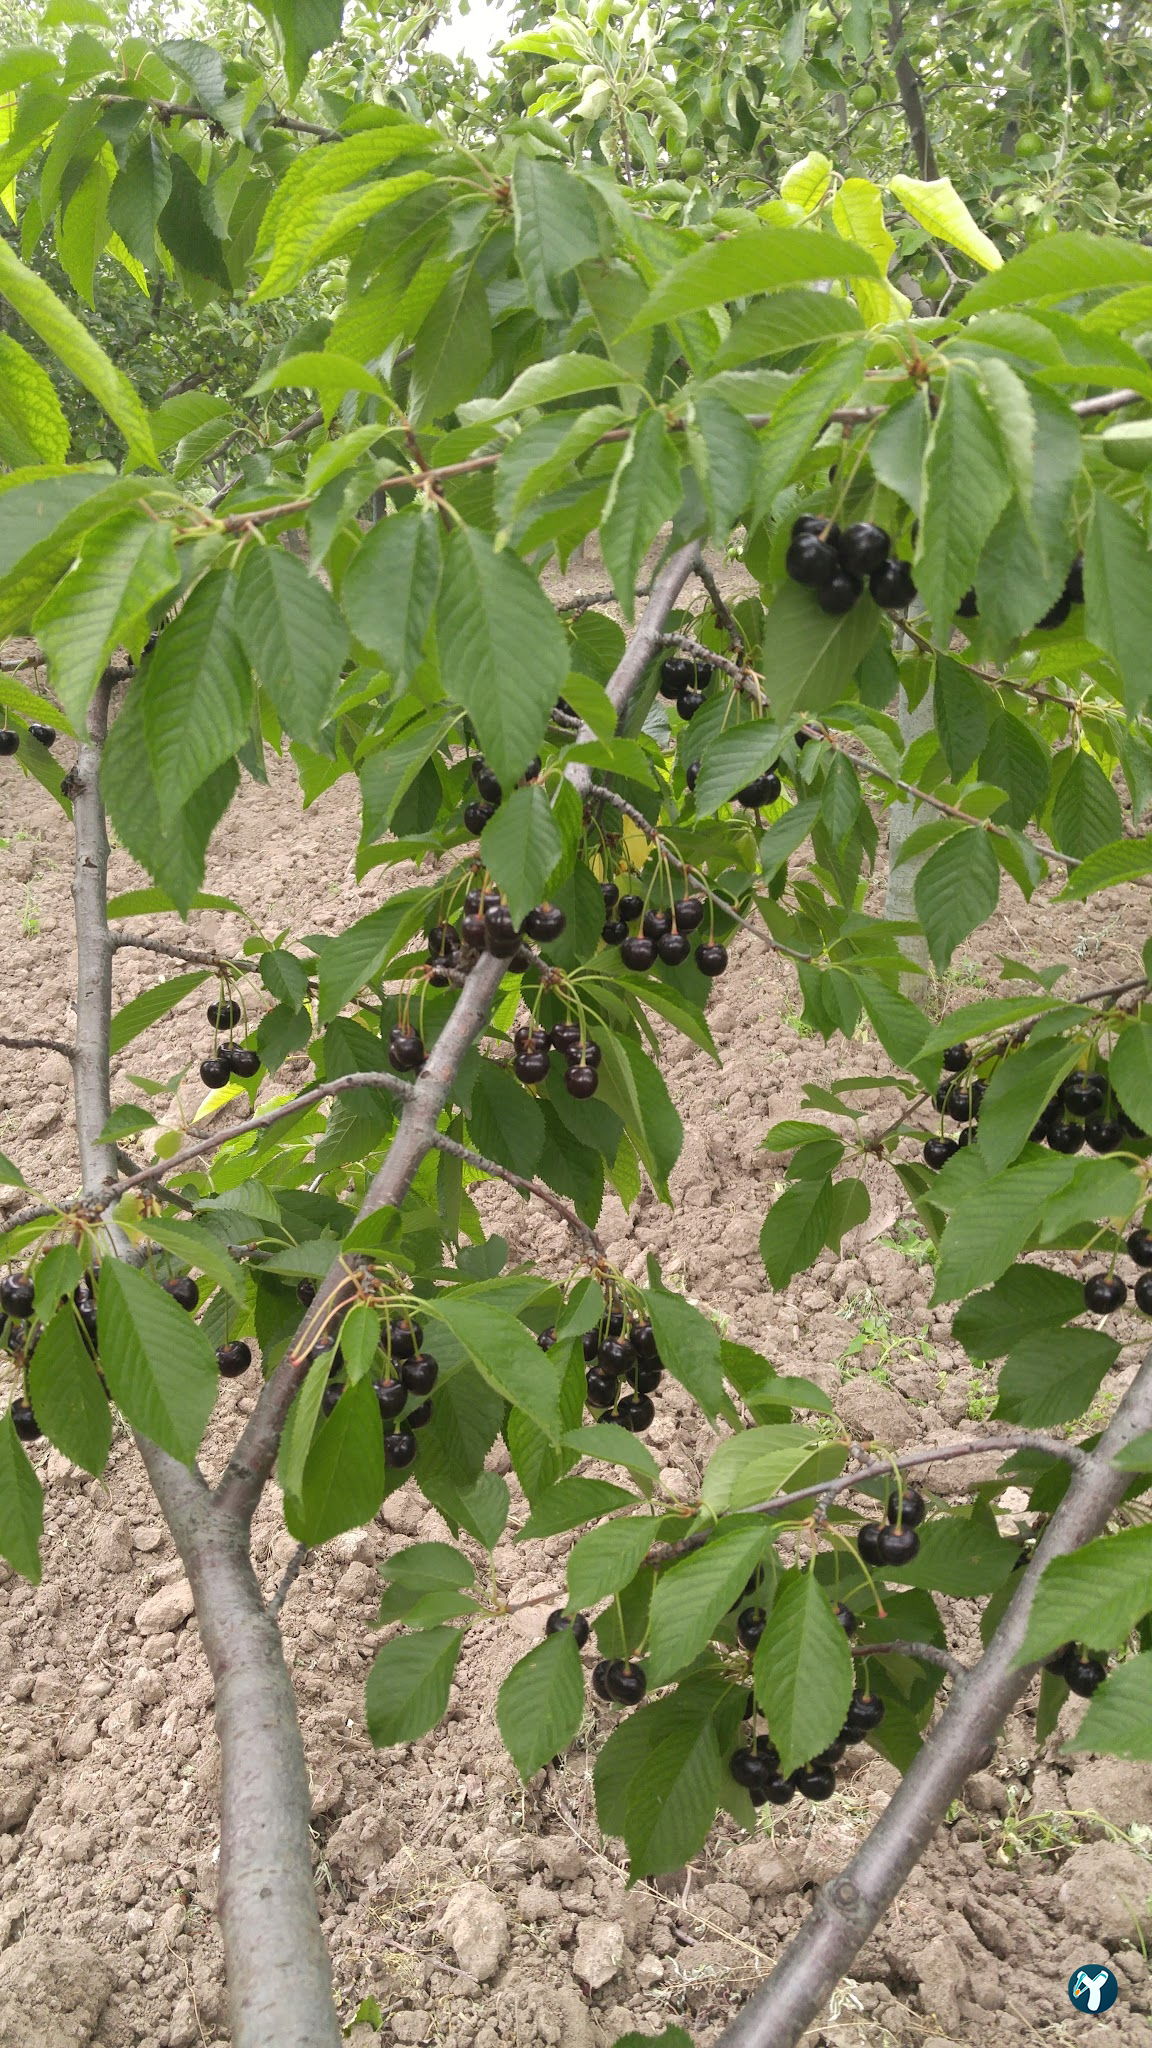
pixel 1030 144
pixel 1097 96
pixel 1128 445
pixel 691 162
pixel 864 98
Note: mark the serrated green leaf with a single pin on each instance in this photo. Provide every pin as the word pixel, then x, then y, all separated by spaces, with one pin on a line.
pixel 1125 860
pixel 673 1801
pixel 956 890
pixel 522 847
pixel 21 1505
pixel 66 1395
pixel 692 1595
pixel 954 525
pixel 541 1703
pixel 751 1467
pixel 1130 1071
pixel 409 1684
pixel 428 1567
pixel 390 589
pixel 124 567
pixel 503 654
pixel 631 1083
pixel 570 1503
pixel 72 345
pixel 802 414
pixel 962 711
pixel 1119 1717
pixel 160 1366
pixel 1096 1596
pixel 294 637
pixel 343 1479
pixel 732 759
pixel 644 494
pixel 814 657
pixel 196 692
pixel 992 1223
pixel 505 1355
pixel 689 1345
pixel 802 1671
pixel 937 206
pixel 32 423
pixel 1118 596
pixel 604 1560
pixel 1053 1376
pixel 1057 266
pixel 1021 1086
pixel 755 261
pixel 795 1229
pixel 1086 812
pixel 10 1175
pixel 149 1006
pixel 611 1445
pixel 556 227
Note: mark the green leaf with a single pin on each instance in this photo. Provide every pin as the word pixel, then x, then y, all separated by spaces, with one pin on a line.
pixel 302 27
pixel 992 1223
pixel 390 589
pixel 344 1474
pixel 956 890
pixel 571 1502
pixel 1130 1071
pixel 1118 595
pixel 937 206
pixel 294 637
pixel 751 1467
pixel 32 424
pixel 453 347
pixel 754 261
pixel 1019 1089
pixel 962 1555
pixel 196 692
pixel 611 1445
pixel 955 524
pixel 1096 1596
pixel 899 1023
pixel 802 415
pixel 21 1505
pixel 503 653
pixel 1053 1376
pixel 428 1568
pixel 962 711
pixel 505 1355
pixel 733 758
pixel 785 321
pixel 409 1684
pixel 159 1364
pixel 802 1671
pixel 795 1229
pixel 689 1345
pixel 644 493
pixel 1086 810
pixel 1058 266
pixel 73 346
pixel 10 1175
pixel 66 1395
pixel 725 455
pixel 1126 860
pixel 201 1248
pixel 124 567
pixel 631 1083
pixel 814 657
pixel 604 1560
pixel 522 847
pixel 556 228
pixel 350 962
pixel 149 1006
pixel 1119 1717
pixel 139 195
pixel 692 1595
pixel 540 1705
pixel 673 1800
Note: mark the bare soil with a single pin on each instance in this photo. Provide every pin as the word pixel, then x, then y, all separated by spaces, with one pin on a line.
pixel 108 1769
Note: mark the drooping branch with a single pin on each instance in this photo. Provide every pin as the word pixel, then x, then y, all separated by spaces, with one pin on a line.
pixel 11 1044
pixel 852 1905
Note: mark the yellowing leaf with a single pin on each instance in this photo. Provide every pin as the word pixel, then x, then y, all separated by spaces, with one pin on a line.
pixel 7 123
pixel 936 205
pixel 858 215
pixel 806 183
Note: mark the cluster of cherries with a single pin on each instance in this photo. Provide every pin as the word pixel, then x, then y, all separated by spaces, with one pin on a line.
pixel 837 563
pixel 17 1302
pixel 410 1375
pixel 533 1048
pixel 489 793
pixel 757 1766
pixel 684 682
pixel 619 1681
pixel 1106 1292
pixel 10 741
pixel 1072 593
pixel 895 1541
pixel 616 1351
pixel 1079 1113
pixel 664 933
pixel 228 1059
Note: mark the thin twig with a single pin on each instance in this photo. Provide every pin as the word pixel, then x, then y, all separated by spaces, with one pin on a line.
pixel 576 1224
pixel 723 615
pixel 171 949
pixel 175 110
pixel 292 1571
pixel 37 1045
pixel 927 1653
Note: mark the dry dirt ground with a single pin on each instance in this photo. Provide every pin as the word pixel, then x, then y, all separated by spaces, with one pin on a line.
pixel 471 1910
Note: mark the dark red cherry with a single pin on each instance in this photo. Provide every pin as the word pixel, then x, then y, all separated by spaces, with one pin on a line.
pixel 778 1791
pixel 601 1388
pixel 530 1038
pixel 1103 1293
pixel 643 1340
pixel 867 1542
pixel 955 1059
pixel 815 1780
pixel 689 702
pixel 638 953
pixel 244 1061
pixel 750 1770
pixel 214 1072
pixel 183 1290
pixel 630 908
pixel 688 914
pixel 233 1359
pixel 45 734
pixel 626 1681
pixel 615 1355
pixel 1084 1094
pixel 305 1292
pixel 225 1016
pixel 1084 1675
pixel 474 931
pixel 711 959
pixel 938 1151
pixel 419 1418
pixel 676 673
pixel 599 1676
pixel 864 547
pixel 818 523
pixel 750 1625
pixel 330 1396
pixel 392 1396
pixel 420 1374
pixel 405 1050
pixel 399 1449
pixel 486 782
pixel 545 923
pixel 586 1055
pixel 477 815
pixel 692 774
pixel 1055 614
pixel 764 790
pixel 17 1295
pixel 565 1035
pixel 636 1412
pixel 892 586
pixel 611 894
pixel 909 1510
pixel 968 607
pixel 1074 582
pixel 865 1712
pixel 1142 1294
pixel 674 948
pixel 811 561
pixel 546 1338
pixel 844 1615
pixel 581 1082
pixel 839 594
pixel 23 1420
pixel 896 1546
pixel 646 1378
pixel 1104 1133
pixel 1065 1137
pixel 959 1104
pixel 614 931
pixel 656 923
pixel 531 1067
pixel 1140 1247
pixel 443 942
pixel 559 1623
pixel 9 740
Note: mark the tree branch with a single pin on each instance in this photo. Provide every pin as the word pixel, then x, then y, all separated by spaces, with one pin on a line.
pixel 37 1045
pixel 90 1063
pixel 720 606
pixel 593 1246
pixel 173 950
pixel 911 99
pixel 292 1571
pixel 827 1489
pixel 928 1653
pixel 851 1906
pixel 175 110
